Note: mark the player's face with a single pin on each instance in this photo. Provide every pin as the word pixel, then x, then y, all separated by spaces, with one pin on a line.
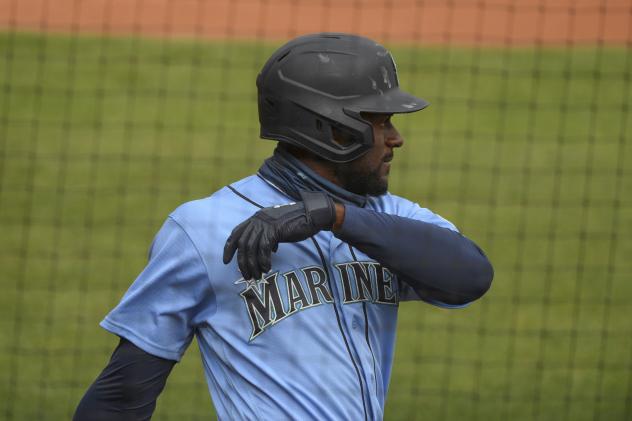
pixel 368 175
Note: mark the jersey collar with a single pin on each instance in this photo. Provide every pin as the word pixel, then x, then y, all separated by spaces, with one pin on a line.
pixel 290 175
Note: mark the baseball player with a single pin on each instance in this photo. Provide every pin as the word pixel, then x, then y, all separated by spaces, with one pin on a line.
pixel 290 279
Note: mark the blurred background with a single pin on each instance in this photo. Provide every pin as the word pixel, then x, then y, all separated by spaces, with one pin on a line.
pixel 113 112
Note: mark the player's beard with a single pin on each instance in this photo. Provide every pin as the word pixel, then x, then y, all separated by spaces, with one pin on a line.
pixel 360 179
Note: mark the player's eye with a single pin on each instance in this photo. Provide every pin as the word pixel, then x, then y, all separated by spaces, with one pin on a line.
pixel 383 120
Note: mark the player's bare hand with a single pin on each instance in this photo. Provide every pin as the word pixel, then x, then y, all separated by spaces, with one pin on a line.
pixel 257 237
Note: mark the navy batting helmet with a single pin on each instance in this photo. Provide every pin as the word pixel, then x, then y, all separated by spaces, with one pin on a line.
pixel 320 83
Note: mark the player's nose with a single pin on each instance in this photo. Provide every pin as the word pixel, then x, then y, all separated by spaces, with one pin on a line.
pixel 393 138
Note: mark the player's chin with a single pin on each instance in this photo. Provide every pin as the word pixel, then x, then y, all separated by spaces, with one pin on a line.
pixel 378 186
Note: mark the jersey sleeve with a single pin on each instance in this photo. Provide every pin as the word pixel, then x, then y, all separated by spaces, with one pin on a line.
pixel 414 211
pixel 168 299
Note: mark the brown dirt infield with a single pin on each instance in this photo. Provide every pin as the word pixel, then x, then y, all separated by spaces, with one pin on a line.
pixel 467 22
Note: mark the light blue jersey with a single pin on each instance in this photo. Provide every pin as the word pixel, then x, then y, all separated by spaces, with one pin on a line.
pixel 313 339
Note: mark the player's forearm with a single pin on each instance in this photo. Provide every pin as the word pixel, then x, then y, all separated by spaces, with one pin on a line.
pixel 127 388
pixel 439 263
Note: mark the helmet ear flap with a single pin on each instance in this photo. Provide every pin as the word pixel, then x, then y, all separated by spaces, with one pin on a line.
pixel 342 136
pixel 339 138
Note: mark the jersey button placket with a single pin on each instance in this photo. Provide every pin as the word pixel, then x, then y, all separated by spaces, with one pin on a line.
pixel 348 312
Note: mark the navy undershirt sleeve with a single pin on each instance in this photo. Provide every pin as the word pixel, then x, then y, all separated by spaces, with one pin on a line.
pixel 127 388
pixel 441 265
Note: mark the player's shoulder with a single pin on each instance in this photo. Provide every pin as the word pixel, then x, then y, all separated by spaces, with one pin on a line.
pixel 391 203
pixel 219 207
pixel 208 221
pixel 400 206
pixel 216 202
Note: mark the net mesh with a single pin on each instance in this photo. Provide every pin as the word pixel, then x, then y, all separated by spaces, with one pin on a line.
pixel 114 112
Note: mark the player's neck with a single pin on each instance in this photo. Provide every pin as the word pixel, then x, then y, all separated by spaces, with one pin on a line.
pixel 321 167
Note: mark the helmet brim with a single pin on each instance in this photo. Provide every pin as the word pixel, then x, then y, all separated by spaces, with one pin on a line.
pixel 393 101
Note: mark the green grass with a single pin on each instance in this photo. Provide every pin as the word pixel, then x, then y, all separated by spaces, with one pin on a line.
pixel 528 151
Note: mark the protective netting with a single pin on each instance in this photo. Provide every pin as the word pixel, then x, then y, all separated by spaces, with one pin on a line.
pixel 114 112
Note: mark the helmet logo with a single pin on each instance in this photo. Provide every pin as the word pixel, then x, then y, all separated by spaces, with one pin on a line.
pixel 324 58
pixel 387 81
pixel 374 86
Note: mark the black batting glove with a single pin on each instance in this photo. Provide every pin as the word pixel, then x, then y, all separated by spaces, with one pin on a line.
pixel 257 237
